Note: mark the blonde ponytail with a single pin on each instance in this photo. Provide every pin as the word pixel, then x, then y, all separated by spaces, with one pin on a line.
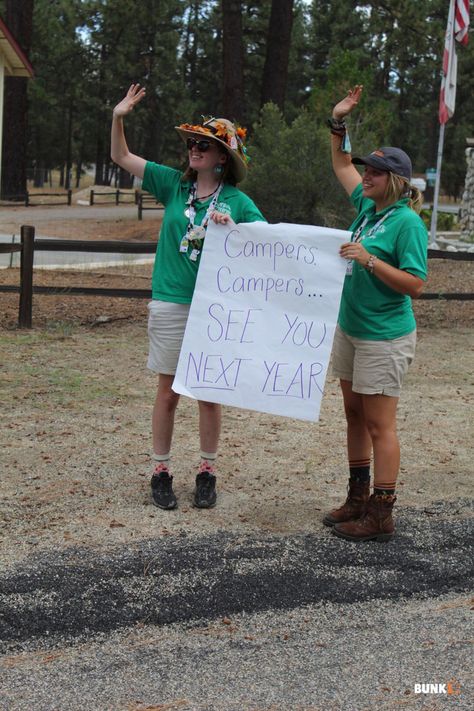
pixel 399 187
pixel 415 199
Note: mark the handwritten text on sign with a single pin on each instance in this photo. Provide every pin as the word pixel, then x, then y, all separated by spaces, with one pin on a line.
pixel 262 320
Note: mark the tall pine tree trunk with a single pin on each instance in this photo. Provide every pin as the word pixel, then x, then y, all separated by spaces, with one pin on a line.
pixel 275 70
pixel 233 84
pixel 69 148
pixel 19 20
pixel 102 120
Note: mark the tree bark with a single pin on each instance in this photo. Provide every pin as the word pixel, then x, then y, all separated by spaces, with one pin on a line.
pixel 102 120
pixel 233 59
pixel 19 20
pixel 275 70
pixel 69 148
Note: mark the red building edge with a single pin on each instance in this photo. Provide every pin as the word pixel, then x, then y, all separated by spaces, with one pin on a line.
pixel 17 63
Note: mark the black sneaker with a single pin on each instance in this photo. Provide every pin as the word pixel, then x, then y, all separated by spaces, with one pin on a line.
pixel 205 492
pixel 162 491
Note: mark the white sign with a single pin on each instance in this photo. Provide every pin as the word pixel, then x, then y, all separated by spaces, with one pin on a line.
pixel 261 324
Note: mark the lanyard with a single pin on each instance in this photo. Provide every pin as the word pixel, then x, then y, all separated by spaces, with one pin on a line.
pixel 195 233
pixel 357 235
pixel 192 210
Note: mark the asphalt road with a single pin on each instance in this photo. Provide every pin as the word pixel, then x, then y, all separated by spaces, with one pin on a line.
pixel 37 215
pixel 228 622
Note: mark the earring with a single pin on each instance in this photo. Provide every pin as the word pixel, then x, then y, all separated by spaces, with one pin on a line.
pixel 219 169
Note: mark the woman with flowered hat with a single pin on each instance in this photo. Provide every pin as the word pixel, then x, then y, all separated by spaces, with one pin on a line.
pixel 375 339
pixel 207 190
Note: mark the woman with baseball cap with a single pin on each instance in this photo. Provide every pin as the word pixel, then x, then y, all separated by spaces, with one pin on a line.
pixel 217 161
pixel 376 334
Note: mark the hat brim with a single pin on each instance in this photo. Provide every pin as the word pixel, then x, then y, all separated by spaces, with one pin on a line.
pixel 373 161
pixel 379 164
pixel 239 167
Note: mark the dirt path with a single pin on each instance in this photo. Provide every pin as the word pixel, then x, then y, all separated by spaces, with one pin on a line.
pixel 78 398
pixel 75 443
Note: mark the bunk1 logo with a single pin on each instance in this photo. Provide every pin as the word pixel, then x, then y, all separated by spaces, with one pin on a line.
pixel 450 688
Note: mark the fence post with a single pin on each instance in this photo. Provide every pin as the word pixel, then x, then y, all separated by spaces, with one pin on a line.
pixel 136 196
pixel 26 276
pixel 69 196
pixel 27 198
pixel 140 206
pixel 117 197
pixel 11 253
pixel 91 198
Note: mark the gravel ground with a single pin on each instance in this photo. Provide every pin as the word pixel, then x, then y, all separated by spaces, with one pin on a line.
pixel 321 657
pixel 75 490
pixel 109 603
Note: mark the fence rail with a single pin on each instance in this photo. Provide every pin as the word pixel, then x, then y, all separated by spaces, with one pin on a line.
pixel 94 198
pixel 94 195
pixel 26 198
pixel 144 200
pixel 28 245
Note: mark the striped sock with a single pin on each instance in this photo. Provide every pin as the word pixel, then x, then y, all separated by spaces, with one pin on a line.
pixel 385 488
pixel 359 469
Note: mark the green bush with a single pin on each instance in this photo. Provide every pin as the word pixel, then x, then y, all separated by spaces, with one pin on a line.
pixel 290 174
pixel 446 222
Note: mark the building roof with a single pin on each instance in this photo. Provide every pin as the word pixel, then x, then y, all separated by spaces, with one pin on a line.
pixel 16 62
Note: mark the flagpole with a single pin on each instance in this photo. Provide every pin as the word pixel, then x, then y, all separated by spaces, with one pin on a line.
pixel 456 29
pixel 434 214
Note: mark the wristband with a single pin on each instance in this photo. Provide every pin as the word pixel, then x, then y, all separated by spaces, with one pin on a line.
pixel 336 125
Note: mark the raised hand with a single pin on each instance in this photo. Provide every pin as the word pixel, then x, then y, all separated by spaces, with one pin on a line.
pixel 347 104
pixel 134 95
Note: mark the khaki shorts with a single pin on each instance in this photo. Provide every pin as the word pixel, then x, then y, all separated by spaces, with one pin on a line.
pixel 373 367
pixel 166 324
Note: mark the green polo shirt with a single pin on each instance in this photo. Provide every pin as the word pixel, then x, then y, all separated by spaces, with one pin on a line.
pixel 369 309
pixel 174 273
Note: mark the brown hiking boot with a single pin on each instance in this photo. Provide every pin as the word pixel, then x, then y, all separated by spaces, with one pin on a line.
pixel 376 523
pixel 354 506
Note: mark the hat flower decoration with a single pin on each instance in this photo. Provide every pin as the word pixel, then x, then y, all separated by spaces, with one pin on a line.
pixel 228 134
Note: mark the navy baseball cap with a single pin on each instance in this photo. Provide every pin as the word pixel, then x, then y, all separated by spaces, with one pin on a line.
pixel 393 160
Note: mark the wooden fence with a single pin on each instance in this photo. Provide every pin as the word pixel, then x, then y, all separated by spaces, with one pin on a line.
pixel 144 201
pixel 147 202
pixel 29 245
pixel 94 197
pixel 27 199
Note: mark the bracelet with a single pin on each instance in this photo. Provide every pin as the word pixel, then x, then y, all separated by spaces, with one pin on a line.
pixel 336 123
pixel 337 127
pixel 371 263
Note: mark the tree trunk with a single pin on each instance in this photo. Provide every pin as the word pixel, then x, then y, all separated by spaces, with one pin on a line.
pixel 69 149
pixel 38 175
pixel 101 120
pixel 79 170
pixel 125 179
pixel 275 70
pixel 19 20
pixel 191 47
pixel 233 58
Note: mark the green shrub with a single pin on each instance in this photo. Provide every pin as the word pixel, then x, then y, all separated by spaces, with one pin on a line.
pixel 445 221
pixel 290 175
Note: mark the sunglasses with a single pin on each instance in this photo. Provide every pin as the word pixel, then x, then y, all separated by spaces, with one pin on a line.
pixel 202 144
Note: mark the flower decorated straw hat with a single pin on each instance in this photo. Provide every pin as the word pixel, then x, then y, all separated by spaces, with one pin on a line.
pixel 227 134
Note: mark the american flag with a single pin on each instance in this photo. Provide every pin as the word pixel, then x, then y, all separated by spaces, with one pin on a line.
pixel 457 29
